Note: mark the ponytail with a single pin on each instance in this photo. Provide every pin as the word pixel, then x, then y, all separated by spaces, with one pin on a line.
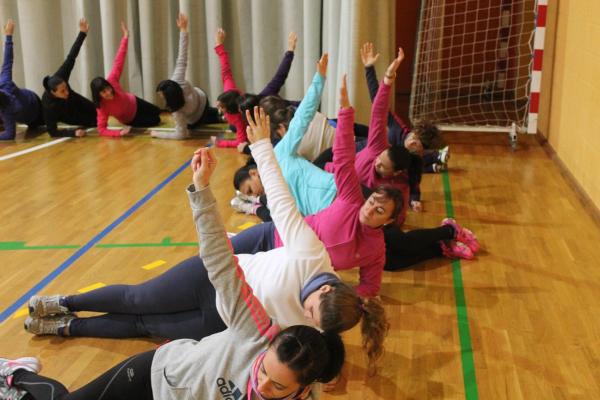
pixel 341 309
pixel 374 328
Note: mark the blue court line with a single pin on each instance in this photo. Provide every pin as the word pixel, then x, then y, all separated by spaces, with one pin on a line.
pixel 50 277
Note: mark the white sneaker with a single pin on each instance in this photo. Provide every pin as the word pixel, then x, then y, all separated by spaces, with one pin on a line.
pixel 8 368
pixel 242 206
pixel 249 199
pixel 444 155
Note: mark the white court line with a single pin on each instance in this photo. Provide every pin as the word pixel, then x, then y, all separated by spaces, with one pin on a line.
pixel 34 148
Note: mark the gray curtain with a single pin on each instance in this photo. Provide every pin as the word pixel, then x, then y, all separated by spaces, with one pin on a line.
pixel 256 40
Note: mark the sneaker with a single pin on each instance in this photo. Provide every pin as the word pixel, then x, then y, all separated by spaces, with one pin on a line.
pixel 455 249
pixel 8 392
pixel 242 206
pixel 48 325
pixel 444 155
pixel 463 234
pixel 43 306
pixel 439 167
pixel 8 368
pixel 246 198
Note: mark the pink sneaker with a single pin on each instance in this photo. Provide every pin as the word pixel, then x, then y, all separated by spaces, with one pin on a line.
pixel 463 234
pixel 454 249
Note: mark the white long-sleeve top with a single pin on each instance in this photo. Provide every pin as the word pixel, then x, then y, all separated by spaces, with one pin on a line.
pixel 277 276
pixel 318 138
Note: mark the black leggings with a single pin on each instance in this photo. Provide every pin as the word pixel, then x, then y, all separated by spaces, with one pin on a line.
pixel 404 249
pixel 128 380
pixel 147 114
pixel 209 116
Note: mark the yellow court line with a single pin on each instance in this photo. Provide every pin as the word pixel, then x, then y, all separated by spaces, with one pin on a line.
pixel 154 264
pixel 21 313
pixel 91 287
pixel 246 225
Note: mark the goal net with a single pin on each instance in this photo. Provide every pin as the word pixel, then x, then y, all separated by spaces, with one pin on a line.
pixel 473 63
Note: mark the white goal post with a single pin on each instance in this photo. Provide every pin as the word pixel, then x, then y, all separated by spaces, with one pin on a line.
pixel 478 64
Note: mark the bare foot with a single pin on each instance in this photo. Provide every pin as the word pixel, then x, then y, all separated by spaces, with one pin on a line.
pixel 80 133
pixel 125 131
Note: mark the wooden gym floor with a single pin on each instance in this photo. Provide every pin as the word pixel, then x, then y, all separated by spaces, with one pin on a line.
pixel 519 322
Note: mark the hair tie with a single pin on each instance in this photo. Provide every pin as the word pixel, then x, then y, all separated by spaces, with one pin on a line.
pixel 363 306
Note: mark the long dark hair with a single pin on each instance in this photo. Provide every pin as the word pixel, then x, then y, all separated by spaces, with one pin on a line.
pixel 229 100
pixel 172 93
pixel 313 356
pixel 97 85
pixel 242 174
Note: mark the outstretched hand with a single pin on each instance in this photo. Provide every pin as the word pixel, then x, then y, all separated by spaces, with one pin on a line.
pixel 182 22
pixel 344 100
pixel 367 54
pixel 9 28
pixel 203 164
pixel 259 126
pixel 390 73
pixel 124 29
pixel 322 65
pixel 83 25
pixel 220 36
pixel 292 41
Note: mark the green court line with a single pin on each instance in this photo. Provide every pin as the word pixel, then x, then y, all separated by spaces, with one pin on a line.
pixel 166 242
pixel 466 348
pixel 23 246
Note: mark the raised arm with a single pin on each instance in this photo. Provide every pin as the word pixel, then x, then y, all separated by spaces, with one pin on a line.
pixel 117 69
pixel 377 140
pixel 295 234
pixel 181 63
pixel 6 75
pixel 242 309
pixel 306 111
pixel 274 86
pixel 65 69
pixel 226 74
pixel 369 58
pixel 346 180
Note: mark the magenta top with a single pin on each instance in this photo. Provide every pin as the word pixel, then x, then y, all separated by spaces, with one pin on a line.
pixel 123 106
pixel 349 243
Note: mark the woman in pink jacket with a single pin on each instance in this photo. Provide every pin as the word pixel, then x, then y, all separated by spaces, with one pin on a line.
pixel 111 100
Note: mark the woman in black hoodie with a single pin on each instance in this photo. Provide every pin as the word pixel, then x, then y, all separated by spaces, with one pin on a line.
pixel 61 103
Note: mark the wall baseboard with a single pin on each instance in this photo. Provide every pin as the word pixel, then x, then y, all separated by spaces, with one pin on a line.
pixel 585 200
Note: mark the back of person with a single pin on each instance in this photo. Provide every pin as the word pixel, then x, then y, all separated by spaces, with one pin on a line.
pixel 274 275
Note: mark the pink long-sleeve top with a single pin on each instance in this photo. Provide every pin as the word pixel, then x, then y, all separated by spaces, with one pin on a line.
pixel 123 106
pixel 377 142
pixel 348 242
pixel 229 84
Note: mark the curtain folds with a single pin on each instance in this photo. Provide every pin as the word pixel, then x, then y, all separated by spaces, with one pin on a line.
pixel 256 41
